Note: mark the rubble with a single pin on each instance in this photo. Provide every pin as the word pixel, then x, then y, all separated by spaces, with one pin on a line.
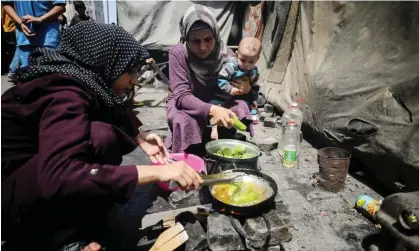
pixel 277 248
pixel 180 199
pixel 270 122
pixel 222 235
pixel 268 144
pixel 160 205
pixel 256 227
pixel 263 115
pixel 268 108
pixel 197 237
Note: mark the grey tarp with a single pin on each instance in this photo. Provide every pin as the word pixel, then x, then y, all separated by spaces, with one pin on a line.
pixel 156 24
pixel 357 66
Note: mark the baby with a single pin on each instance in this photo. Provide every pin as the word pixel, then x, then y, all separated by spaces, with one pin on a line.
pixel 239 70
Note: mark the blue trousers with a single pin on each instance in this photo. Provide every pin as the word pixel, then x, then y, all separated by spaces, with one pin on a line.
pixel 26 50
pixel 14 65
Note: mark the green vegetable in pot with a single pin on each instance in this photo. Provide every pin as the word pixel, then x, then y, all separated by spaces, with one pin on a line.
pixel 244 198
pixel 239 193
pixel 231 189
pixel 226 152
pixel 239 152
pixel 238 124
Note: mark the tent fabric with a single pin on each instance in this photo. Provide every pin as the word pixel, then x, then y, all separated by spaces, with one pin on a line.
pixel 156 24
pixel 276 14
pixel 357 66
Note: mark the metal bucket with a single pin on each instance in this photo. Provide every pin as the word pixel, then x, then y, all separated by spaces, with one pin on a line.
pixel 221 163
pixel 333 168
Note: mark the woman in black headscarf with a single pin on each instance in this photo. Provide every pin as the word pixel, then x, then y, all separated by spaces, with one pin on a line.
pixel 64 131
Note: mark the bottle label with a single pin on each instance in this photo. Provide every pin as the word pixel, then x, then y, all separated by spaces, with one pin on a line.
pixel 289 155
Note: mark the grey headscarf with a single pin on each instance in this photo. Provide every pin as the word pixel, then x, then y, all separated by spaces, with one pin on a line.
pixel 206 70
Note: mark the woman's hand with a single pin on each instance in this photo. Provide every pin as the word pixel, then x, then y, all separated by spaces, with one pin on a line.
pixel 221 116
pixel 186 177
pixel 243 84
pixel 153 146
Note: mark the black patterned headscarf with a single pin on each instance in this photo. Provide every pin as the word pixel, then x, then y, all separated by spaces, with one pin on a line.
pixel 205 70
pixel 96 54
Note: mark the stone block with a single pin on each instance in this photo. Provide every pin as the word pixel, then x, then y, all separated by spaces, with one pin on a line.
pixel 256 227
pixel 268 144
pixel 269 108
pixel 276 248
pixel 279 122
pixel 270 122
pixel 279 227
pixel 197 237
pixel 263 115
pixel 160 205
pixel 222 235
pixel 181 199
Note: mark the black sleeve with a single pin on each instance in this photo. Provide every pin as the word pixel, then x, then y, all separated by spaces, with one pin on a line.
pixel 74 21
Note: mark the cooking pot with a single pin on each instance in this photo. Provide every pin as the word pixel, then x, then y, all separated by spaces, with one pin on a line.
pixel 224 163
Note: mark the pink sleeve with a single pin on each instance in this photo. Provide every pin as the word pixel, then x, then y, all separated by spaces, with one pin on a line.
pixel 181 86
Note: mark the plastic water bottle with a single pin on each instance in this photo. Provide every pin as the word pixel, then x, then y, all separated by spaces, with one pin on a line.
pixel 292 113
pixel 290 145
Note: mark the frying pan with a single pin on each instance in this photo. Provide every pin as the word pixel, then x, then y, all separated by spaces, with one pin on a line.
pixel 253 175
pixel 258 209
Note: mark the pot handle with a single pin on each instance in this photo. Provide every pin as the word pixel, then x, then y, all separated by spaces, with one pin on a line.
pixel 209 160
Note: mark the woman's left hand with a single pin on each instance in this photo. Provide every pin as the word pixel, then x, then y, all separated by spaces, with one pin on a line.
pixel 153 146
pixel 243 85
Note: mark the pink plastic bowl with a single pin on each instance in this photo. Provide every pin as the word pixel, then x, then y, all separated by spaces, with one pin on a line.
pixel 193 161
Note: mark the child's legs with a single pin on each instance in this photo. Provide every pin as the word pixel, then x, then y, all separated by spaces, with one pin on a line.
pixel 24 52
pixel 14 65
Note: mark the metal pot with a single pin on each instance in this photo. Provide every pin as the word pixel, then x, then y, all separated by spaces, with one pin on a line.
pixel 231 163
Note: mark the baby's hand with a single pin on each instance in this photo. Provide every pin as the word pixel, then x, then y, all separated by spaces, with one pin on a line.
pixel 235 91
pixel 254 105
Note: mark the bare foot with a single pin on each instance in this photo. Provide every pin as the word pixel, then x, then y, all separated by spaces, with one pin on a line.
pixel 214 133
pixel 92 247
